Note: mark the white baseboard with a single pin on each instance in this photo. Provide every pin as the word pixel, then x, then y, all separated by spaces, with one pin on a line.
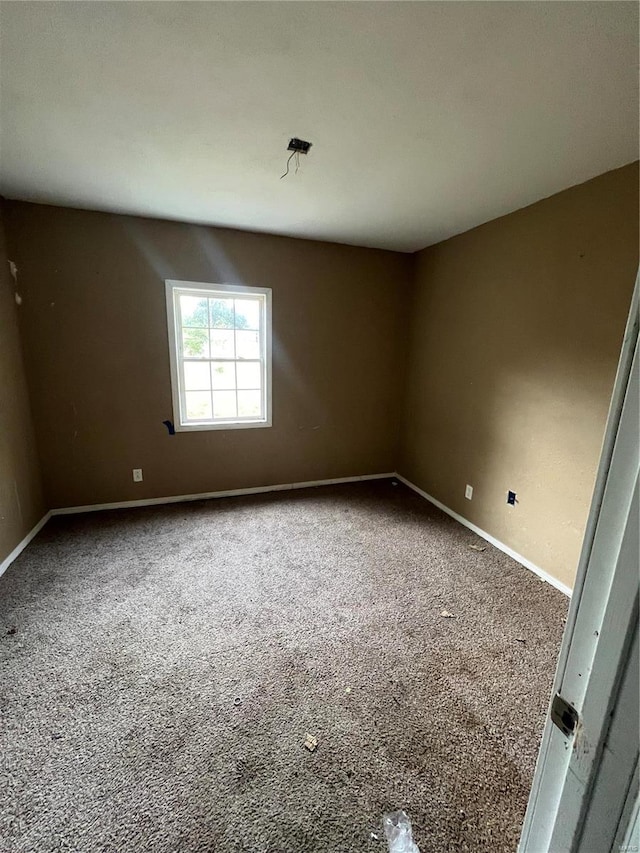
pixel 4 565
pixel 281 487
pixel 545 576
pixel 228 493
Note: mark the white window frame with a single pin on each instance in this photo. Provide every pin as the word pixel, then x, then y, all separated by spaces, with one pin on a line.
pixel 173 289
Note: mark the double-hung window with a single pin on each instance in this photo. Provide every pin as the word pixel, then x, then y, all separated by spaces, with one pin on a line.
pixel 220 352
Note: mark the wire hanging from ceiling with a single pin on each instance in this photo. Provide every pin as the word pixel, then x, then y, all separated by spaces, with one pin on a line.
pixel 288 161
pixel 297 147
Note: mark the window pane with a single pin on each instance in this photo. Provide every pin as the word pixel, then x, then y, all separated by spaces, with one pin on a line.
pixel 198 405
pixel 224 404
pixel 223 374
pixel 249 404
pixel 197 376
pixel 195 343
pixel 194 311
pixel 247 313
pixel 221 344
pixel 247 345
pixel 221 313
pixel 249 374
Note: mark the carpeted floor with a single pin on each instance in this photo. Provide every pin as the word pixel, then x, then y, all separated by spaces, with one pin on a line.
pixel 161 667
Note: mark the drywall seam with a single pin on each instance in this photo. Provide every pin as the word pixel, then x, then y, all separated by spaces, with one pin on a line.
pixel 489 538
pixel 4 565
pixel 229 493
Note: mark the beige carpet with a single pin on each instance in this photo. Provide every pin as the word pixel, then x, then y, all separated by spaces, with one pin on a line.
pixel 161 667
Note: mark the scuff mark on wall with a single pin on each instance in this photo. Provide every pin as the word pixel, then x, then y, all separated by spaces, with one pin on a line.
pixel 581 745
pixel 18 504
pixel 13 271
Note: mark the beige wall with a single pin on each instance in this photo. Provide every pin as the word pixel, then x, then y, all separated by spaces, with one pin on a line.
pixel 21 504
pixel 516 332
pixel 95 336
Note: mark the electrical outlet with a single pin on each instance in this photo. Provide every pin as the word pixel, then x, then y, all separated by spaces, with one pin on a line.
pixel 137 475
pixel 468 492
pixel 511 498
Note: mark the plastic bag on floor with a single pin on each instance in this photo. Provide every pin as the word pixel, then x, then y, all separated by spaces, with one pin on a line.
pixel 397 830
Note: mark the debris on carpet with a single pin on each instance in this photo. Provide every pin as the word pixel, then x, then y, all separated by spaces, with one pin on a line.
pixel 311 742
pixel 397 830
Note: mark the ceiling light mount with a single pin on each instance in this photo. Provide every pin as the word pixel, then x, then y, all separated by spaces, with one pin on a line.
pixel 299 145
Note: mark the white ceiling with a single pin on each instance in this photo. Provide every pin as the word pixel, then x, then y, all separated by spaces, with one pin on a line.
pixel 426 118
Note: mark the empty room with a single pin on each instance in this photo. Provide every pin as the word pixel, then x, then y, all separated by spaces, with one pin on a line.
pixel 319 427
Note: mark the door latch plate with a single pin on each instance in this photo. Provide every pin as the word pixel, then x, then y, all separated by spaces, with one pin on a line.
pixel 564 715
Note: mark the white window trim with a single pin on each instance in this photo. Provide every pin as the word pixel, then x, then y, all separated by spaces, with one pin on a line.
pixel 171 285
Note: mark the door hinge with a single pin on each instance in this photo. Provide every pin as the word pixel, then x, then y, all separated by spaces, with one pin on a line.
pixel 564 715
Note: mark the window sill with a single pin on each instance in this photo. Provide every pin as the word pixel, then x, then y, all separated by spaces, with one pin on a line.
pixel 201 427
